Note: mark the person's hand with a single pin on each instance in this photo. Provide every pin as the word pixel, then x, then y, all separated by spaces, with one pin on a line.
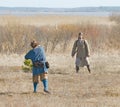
pixel 88 56
pixel 72 56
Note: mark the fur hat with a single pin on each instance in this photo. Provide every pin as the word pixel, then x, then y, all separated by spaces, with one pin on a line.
pixel 80 33
pixel 34 43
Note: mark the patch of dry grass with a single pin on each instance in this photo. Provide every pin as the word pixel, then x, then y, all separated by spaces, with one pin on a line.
pixel 40 20
pixel 68 89
pixel 54 32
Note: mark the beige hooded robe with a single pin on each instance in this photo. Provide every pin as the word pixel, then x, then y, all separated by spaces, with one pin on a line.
pixel 82 51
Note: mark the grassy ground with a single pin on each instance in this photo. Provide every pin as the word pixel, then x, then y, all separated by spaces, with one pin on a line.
pixel 101 88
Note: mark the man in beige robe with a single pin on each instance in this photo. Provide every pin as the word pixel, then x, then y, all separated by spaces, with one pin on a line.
pixel 82 51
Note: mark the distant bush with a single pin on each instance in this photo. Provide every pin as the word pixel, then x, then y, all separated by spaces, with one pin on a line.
pixel 115 17
pixel 16 37
pixel 114 36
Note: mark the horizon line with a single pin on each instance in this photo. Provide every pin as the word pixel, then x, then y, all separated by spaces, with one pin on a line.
pixel 54 7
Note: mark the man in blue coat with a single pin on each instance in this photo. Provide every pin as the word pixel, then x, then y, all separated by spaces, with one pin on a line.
pixel 37 55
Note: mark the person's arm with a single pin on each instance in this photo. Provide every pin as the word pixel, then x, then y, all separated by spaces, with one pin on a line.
pixel 87 48
pixel 44 59
pixel 43 54
pixel 74 49
pixel 29 55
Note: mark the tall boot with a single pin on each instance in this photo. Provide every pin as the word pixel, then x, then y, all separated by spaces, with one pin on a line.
pixel 35 86
pixel 45 84
pixel 88 67
pixel 77 69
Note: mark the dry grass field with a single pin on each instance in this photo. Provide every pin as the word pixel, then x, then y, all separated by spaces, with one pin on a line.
pixel 101 88
pixel 42 20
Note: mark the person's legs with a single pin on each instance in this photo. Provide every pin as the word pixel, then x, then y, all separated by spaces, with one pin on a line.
pixel 45 84
pixel 44 79
pixel 77 63
pixel 35 86
pixel 35 82
pixel 77 69
pixel 88 67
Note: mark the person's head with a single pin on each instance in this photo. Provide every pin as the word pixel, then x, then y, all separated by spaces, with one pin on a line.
pixel 80 35
pixel 34 43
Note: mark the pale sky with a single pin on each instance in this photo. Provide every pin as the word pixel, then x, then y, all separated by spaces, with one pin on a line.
pixel 58 3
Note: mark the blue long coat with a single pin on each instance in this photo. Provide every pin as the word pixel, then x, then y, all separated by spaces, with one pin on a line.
pixel 37 54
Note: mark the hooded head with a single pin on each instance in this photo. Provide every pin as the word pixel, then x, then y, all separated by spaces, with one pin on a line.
pixel 34 43
pixel 80 35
